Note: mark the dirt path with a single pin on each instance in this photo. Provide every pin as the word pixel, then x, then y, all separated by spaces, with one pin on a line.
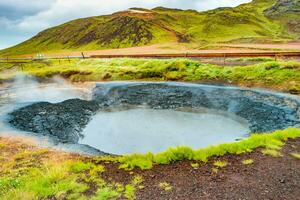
pixel 178 48
pixel 287 46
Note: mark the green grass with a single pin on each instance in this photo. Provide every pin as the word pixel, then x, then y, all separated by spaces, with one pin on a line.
pixel 27 178
pixel 271 152
pixel 25 175
pixel 296 155
pixel 248 161
pixel 220 163
pixel 165 186
pixel 246 22
pixel 275 140
pixel 276 74
pixel 195 165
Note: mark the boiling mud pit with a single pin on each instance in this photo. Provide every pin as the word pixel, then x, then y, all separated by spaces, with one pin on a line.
pixel 121 117
pixel 144 129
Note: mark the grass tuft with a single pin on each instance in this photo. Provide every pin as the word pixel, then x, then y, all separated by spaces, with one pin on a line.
pixel 296 155
pixel 272 141
pixel 165 186
pixel 248 161
pixel 195 165
pixel 220 163
pixel 271 152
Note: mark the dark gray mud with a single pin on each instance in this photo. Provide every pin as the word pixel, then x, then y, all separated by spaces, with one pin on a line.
pixel 264 111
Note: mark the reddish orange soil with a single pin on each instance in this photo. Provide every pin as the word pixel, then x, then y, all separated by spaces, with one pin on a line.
pixel 178 48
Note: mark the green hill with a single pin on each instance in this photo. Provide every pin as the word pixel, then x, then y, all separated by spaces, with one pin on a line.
pixel 260 20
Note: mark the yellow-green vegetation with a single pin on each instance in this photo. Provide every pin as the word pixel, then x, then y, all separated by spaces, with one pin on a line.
pixel 248 161
pixel 26 175
pixel 165 186
pixel 296 155
pixel 276 74
pixel 245 23
pixel 195 165
pixel 220 163
pixel 214 170
pixel 271 152
pixel 271 141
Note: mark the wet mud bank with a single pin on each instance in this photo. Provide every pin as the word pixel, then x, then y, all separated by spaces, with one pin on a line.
pixel 263 111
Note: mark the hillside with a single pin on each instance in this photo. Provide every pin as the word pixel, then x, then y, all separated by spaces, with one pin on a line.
pixel 260 20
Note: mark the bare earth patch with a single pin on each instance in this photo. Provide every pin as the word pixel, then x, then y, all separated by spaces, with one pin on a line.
pixel 179 48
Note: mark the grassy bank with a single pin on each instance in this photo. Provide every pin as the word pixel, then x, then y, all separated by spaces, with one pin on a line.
pixel 27 172
pixel 271 142
pixel 280 75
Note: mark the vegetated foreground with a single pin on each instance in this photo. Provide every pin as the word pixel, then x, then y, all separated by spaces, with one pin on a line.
pixel 260 72
pixel 260 167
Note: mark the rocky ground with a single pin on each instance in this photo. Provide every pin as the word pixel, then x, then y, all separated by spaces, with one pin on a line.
pixel 267 178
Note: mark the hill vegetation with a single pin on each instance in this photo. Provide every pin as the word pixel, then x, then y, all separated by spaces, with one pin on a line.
pixel 260 20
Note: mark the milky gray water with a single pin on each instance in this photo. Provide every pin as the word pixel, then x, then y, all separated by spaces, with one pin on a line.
pixel 135 130
pixel 142 130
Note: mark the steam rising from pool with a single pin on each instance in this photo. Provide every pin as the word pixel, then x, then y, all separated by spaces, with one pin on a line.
pixel 123 118
pixel 25 90
pixel 142 130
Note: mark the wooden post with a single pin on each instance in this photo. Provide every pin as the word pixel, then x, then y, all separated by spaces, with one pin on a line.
pixel 82 55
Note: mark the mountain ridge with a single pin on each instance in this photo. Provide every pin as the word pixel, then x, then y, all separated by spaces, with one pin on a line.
pixel 258 20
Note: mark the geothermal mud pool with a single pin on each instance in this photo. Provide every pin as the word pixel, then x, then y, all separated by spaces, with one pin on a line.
pixel 121 117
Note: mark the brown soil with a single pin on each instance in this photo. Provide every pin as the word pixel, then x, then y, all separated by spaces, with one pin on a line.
pixel 180 48
pixel 267 178
pixel 286 46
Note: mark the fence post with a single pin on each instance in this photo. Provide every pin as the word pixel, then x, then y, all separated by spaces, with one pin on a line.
pixel 82 55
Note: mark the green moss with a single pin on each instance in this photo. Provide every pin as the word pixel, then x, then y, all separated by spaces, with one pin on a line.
pixel 25 176
pixel 248 161
pixel 220 163
pixel 296 155
pixel 38 183
pixel 246 22
pixel 275 74
pixel 105 193
pixel 275 140
pixel 165 186
pixel 195 165
pixel 80 166
pixel 271 152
